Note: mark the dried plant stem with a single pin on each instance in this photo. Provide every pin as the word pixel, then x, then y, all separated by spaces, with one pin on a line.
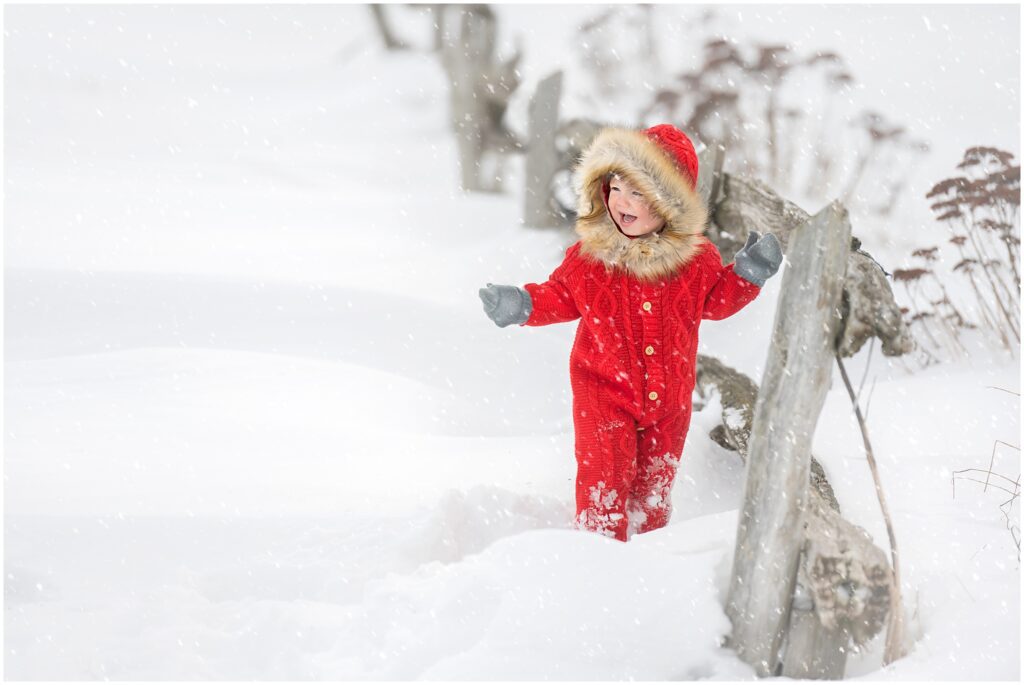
pixel 894 634
pixel 981 244
pixel 991 245
pixel 983 262
pixel 922 319
pixel 1004 215
pixel 996 387
pixel 867 407
pixel 987 317
pixel 987 482
pixel 867 366
pixel 1006 506
pixel 1012 258
pixel 950 329
pixel 1010 526
pixel 992 461
pixel 862 163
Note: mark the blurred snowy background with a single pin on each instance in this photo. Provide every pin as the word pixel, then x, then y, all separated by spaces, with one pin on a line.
pixel 257 425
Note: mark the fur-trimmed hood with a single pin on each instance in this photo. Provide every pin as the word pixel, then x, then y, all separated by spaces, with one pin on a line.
pixel 651 170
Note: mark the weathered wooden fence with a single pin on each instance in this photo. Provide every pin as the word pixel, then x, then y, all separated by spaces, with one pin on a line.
pixel 807 585
pixel 797 373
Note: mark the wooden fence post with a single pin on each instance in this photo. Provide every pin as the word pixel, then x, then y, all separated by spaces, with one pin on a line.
pixel 380 20
pixel 771 533
pixel 467 58
pixel 709 177
pixel 542 156
pixel 841 598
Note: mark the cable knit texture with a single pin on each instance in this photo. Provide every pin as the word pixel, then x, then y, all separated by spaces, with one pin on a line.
pixel 639 303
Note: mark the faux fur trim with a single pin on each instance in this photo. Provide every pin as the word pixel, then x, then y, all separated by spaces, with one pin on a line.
pixel 644 165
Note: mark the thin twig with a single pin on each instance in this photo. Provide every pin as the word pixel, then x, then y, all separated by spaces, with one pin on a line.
pixel 867 367
pixel 894 634
pixel 870 394
pixel 1006 506
pixel 1012 392
pixel 993 473
pixel 997 487
pixel 992 461
pixel 965 588
pixel 1014 529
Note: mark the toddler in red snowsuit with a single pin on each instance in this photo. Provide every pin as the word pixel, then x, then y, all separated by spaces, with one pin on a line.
pixel 640 280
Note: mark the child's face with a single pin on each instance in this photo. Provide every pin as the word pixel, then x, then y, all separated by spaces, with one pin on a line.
pixel 629 209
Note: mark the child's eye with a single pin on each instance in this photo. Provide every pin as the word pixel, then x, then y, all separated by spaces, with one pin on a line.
pixel 637 193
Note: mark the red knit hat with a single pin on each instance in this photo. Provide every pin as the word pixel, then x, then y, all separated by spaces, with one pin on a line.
pixel 678 146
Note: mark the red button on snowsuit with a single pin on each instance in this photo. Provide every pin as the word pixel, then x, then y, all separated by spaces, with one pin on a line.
pixel 640 302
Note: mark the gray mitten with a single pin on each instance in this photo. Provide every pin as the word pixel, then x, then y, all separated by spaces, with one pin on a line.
pixel 506 304
pixel 759 259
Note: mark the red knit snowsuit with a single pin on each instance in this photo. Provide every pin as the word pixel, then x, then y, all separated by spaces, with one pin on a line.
pixel 632 374
pixel 632 368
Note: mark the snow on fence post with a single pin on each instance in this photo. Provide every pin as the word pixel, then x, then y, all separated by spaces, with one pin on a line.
pixel 771 532
pixel 542 156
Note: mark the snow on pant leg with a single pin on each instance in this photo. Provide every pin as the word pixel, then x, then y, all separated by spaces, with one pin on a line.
pixel 658 453
pixel 606 442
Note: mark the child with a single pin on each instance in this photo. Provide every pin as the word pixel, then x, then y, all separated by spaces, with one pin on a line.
pixel 640 279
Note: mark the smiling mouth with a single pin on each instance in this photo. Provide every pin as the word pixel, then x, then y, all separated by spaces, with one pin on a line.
pixel 628 219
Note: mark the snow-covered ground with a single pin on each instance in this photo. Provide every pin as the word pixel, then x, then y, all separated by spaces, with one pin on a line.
pixel 257 426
